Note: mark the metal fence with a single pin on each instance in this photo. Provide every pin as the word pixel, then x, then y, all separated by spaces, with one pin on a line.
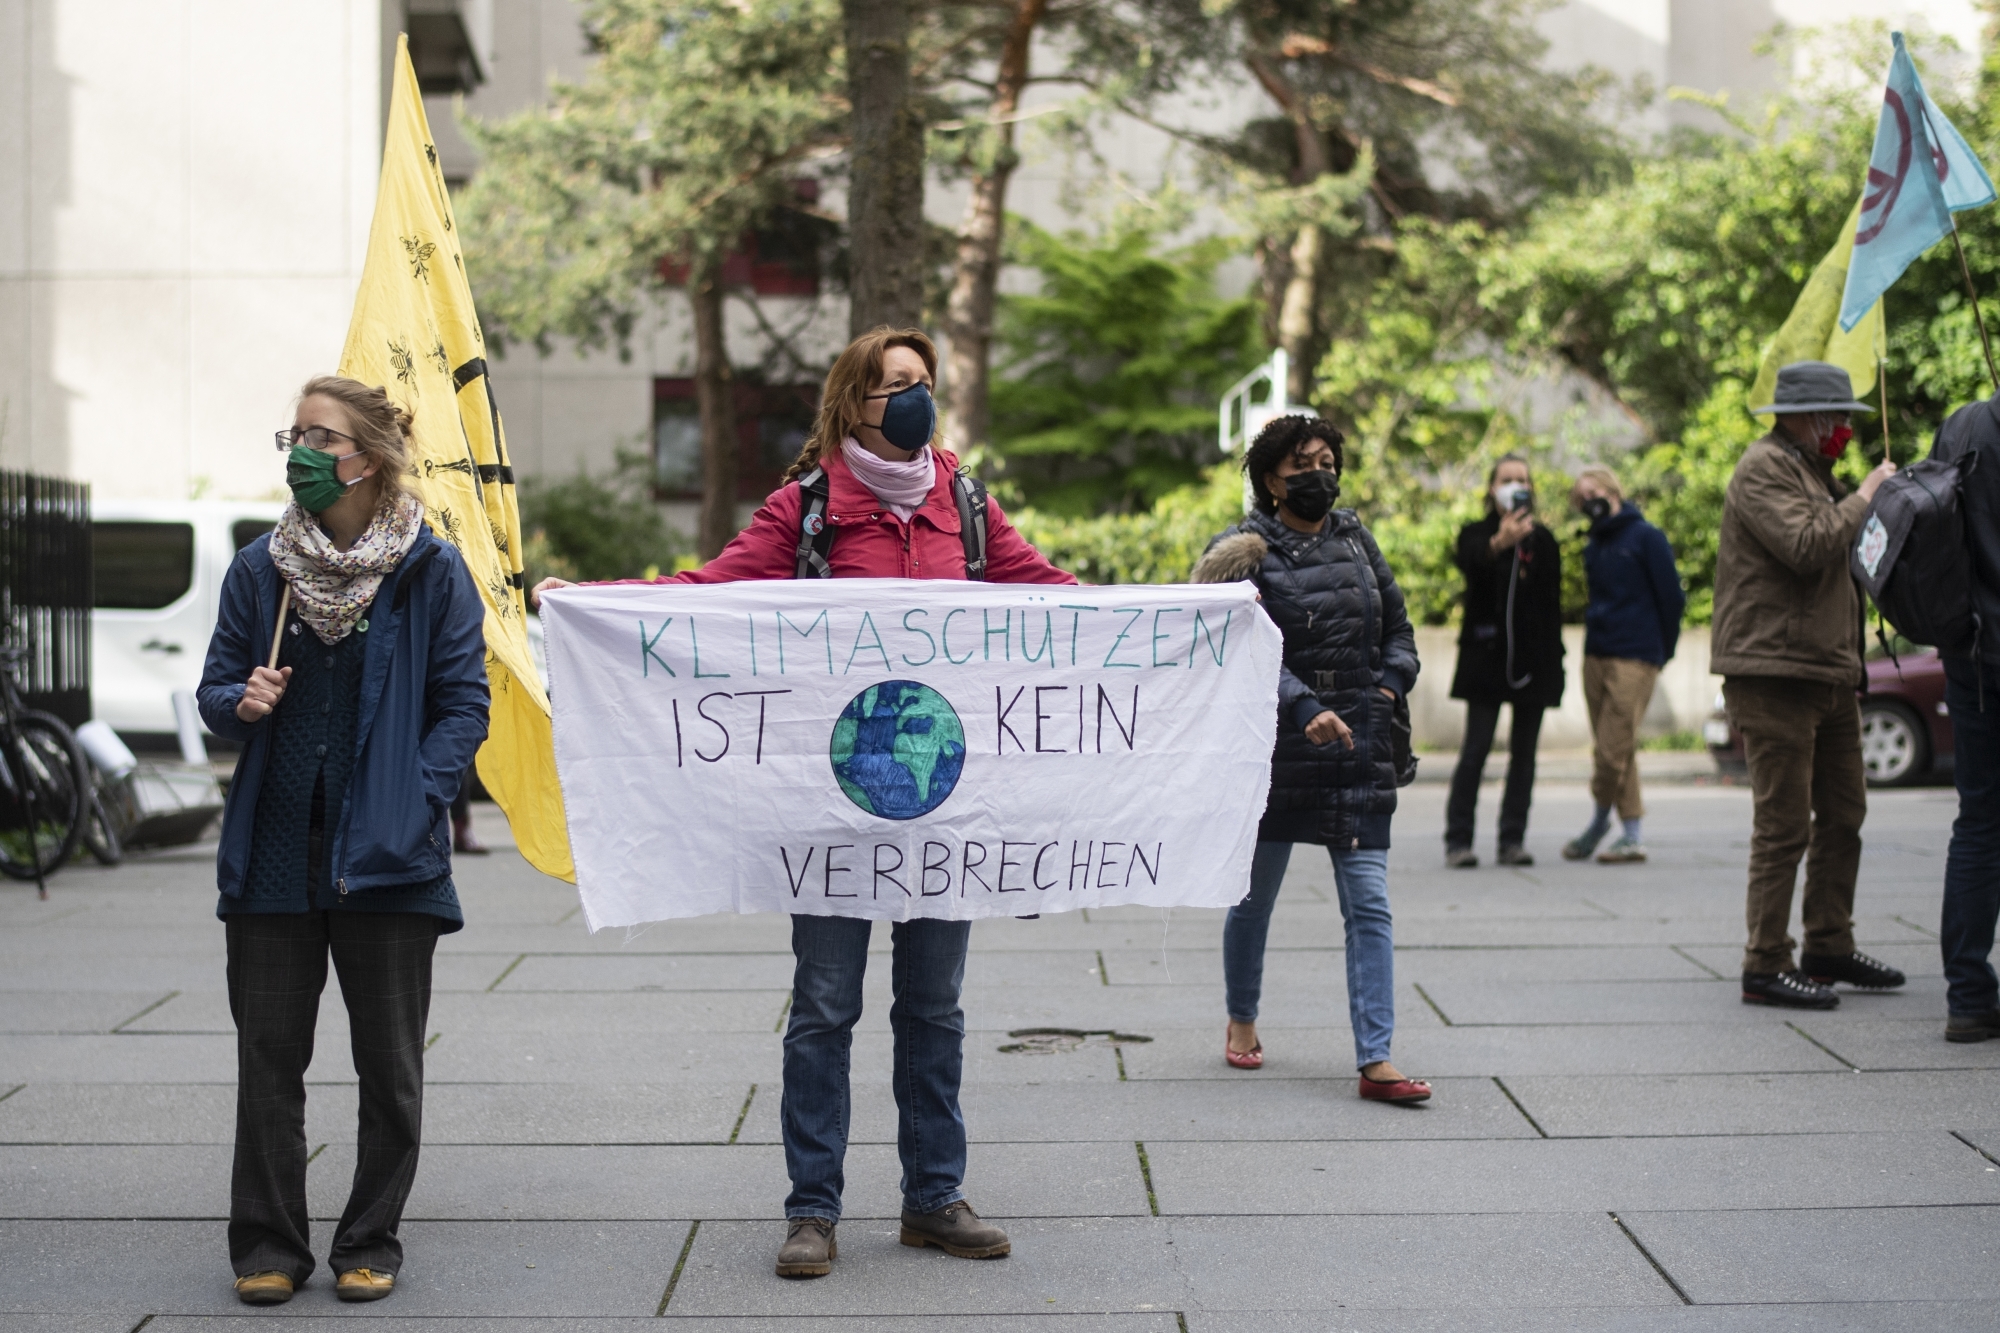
pixel 45 589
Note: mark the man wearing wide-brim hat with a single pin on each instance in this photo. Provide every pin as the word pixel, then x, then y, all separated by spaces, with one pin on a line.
pixel 1787 642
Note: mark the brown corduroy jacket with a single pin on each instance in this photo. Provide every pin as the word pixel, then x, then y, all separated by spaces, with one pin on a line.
pixel 1785 604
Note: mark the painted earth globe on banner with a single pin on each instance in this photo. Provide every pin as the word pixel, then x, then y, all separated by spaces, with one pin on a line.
pixel 898 749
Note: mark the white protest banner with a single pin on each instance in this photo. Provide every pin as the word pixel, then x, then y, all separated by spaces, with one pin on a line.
pixel 897 748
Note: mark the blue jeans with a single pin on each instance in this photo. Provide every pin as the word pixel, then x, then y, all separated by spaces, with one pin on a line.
pixel 1363 880
pixel 928 967
pixel 1972 866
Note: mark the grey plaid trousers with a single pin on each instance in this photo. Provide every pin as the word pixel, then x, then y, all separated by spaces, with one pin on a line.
pixel 277 970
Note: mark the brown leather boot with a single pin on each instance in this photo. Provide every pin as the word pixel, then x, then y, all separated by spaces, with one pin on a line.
pixel 809 1249
pixel 956 1230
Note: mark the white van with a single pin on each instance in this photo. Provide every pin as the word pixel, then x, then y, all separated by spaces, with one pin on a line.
pixel 159 568
pixel 160 565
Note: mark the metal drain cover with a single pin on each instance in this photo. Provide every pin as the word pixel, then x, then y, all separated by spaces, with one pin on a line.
pixel 1051 1041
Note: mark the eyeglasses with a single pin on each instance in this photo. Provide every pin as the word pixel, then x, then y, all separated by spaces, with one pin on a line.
pixel 312 437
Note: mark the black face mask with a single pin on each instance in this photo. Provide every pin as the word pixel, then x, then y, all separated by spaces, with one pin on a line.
pixel 1596 509
pixel 1309 495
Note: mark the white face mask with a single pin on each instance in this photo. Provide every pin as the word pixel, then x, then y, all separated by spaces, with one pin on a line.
pixel 1508 494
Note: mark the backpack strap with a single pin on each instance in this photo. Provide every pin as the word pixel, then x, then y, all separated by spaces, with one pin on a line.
pixel 815 533
pixel 970 492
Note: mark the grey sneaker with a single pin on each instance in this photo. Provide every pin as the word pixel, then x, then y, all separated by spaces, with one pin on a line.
pixel 1515 855
pixel 809 1249
pixel 1622 852
pixel 1461 858
pixel 956 1230
pixel 1582 845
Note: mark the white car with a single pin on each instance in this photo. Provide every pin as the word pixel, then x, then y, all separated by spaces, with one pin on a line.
pixel 159 571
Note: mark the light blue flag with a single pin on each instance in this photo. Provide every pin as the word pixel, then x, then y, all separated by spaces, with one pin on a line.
pixel 1921 172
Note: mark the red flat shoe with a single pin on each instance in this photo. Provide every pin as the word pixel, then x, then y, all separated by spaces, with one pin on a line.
pixel 1395 1090
pixel 1250 1059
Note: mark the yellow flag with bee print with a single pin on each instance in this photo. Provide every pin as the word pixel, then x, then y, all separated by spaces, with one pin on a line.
pixel 415 332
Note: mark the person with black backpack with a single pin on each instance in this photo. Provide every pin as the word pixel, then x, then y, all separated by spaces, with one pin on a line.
pixel 874 494
pixel 1929 553
pixel 1787 644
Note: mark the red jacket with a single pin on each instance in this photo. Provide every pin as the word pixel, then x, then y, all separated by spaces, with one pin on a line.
pixel 870 541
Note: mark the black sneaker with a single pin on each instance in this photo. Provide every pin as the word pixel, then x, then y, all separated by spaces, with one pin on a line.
pixel 1972 1027
pixel 1856 969
pixel 1793 990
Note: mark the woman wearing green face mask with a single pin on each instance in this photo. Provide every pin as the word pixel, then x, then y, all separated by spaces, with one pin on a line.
pixel 335 840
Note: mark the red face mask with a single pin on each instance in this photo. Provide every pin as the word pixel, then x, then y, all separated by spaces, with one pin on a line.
pixel 1834 445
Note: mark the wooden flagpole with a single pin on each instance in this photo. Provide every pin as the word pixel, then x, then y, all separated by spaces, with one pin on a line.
pixel 1965 270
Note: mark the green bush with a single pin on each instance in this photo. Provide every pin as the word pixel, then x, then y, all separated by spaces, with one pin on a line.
pixel 589 528
pixel 1104 393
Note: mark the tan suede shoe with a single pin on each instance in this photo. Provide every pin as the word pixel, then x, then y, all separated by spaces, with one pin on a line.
pixel 364 1284
pixel 271 1288
pixel 956 1230
pixel 809 1249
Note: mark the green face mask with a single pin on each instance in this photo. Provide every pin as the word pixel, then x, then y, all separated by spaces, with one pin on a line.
pixel 310 474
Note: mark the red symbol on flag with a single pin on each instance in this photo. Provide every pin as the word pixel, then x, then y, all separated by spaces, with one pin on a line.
pixel 1884 189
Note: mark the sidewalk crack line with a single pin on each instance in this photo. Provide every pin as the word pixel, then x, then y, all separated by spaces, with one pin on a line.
pixel 1697 962
pixel 743 1114
pixel 1442 1018
pixel 679 1265
pixel 1954 1133
pixel 1103 976
pixel 1146 1174
pixel 1640 1245
pixel 141 1014
pixel 783 1009
pixel 11 1091
pixel 507 972
pixel 1508 1093
pixel 1823 1046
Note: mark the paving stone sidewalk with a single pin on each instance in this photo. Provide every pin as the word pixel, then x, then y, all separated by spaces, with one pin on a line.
pixel 1616 1141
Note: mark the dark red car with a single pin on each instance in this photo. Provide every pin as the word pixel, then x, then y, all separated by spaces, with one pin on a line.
pixel 1905 728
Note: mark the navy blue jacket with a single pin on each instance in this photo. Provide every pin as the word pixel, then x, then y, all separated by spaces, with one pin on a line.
pixel 423 715
pixel 1635 592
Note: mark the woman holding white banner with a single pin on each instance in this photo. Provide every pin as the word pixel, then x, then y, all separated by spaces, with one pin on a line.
pixel 1343 729
pixel 874 495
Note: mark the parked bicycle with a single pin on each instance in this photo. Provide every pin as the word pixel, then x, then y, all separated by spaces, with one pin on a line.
pixel 47 794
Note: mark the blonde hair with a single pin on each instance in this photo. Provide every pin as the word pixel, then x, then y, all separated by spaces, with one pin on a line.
pixel 1606 479
pixel 381 426
pixel 855 373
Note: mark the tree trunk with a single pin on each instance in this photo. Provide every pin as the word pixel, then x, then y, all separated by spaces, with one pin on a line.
pixel 1298 316
pixel 976 270
pixel 885 200
pixel 715 396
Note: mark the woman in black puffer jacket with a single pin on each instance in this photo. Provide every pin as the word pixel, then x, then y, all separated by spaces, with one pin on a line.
pixel 1343 728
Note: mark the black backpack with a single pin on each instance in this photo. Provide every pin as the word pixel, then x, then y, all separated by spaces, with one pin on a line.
pixel 816 534
pixel 1911 554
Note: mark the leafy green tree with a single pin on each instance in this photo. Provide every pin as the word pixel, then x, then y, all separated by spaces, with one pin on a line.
pixel 690 129
pixel 1109 376
pixel 1387 110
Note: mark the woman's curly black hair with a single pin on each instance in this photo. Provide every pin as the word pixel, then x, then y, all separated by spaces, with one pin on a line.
pixel 1280 439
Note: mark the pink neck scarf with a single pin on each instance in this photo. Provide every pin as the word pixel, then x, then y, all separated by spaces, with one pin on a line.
pixel 900 486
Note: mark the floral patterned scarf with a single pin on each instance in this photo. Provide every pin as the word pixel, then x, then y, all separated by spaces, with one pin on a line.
pixel 330 587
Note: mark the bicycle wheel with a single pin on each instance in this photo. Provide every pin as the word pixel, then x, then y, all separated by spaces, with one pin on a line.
pixel 45 763
pixel 100 832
